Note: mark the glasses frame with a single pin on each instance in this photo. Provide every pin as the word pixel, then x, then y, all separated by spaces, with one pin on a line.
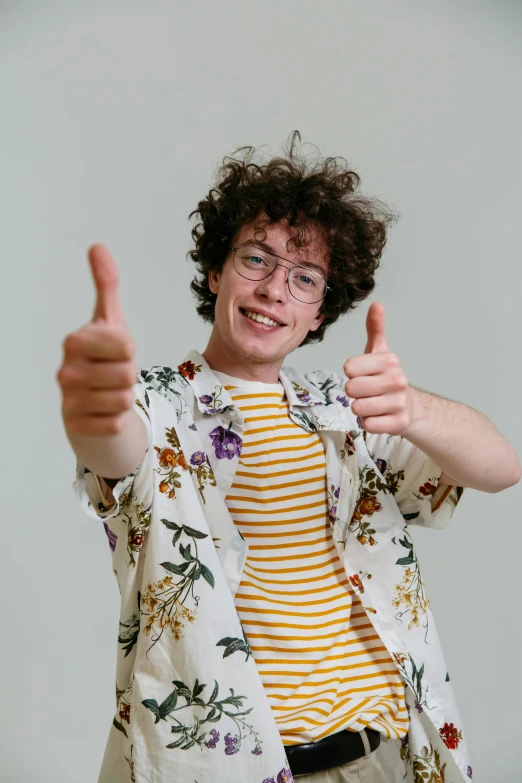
pixel 257 279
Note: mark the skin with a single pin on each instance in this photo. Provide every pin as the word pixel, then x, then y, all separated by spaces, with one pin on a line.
pixel 243 348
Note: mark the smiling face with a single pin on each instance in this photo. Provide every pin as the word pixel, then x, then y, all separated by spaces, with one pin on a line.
pixel 244 347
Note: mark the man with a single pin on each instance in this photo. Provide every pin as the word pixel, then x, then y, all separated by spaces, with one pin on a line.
pixel 274 624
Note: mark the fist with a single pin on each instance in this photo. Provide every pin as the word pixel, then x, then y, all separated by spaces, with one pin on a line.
pixel 98 372
pixel 382 396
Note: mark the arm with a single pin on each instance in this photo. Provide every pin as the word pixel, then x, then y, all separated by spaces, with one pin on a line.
pixel 463 442
pixel 113 456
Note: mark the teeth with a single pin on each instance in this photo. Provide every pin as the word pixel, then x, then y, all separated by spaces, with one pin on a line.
pixel 262 319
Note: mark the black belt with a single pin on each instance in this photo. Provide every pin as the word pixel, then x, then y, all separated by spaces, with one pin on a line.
pixel 332 751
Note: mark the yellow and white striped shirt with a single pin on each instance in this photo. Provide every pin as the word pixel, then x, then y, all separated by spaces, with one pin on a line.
pixel 322 665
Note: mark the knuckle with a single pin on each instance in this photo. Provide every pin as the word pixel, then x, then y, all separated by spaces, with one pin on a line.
pixel 131 375
pixel 116 424
pixel 62 375
pixel 72 343
pixel 126 399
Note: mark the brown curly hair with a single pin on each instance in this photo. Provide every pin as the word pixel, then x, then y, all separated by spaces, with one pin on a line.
pixel 308 193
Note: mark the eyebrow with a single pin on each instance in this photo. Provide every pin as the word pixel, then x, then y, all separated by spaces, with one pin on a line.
pixel 269 249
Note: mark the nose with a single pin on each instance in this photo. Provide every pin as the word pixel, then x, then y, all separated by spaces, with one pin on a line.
pixel 274 287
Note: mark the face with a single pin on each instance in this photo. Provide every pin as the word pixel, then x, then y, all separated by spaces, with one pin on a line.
pixel 248 348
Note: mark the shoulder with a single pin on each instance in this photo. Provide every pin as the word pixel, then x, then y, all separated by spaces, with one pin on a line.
pixel 159 383
pixel 162 379
pixel 325 384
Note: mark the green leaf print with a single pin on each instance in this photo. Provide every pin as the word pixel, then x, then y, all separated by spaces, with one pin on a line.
pixel 213 711
pixel 164 602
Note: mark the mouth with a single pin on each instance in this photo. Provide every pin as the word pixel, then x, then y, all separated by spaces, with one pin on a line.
pixel 259 320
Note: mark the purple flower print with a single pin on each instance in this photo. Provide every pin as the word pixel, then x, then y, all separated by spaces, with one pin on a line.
pixel 269 780
pixel 303 397
pixel 285 776
pixel 257 750
pixel 470 773
pixel 232 744
pixel 343 400
pixel 336 493
pixel 192 427
pixel 418 707
pixel 226 443
pixel 381 464
pixel 331 514
pixel 111 536
pixel 206 399
pixel 198 458
pixel 214 741
pixel 359 423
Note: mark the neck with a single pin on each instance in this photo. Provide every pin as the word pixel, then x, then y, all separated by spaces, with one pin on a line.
pixel 241 366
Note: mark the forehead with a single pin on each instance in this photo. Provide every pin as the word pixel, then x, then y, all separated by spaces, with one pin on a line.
pixel 297 243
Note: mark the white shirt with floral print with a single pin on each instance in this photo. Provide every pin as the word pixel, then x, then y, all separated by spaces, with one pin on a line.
pixel 190 705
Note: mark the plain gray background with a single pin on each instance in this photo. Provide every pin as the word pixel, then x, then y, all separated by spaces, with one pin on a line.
pixel 114 117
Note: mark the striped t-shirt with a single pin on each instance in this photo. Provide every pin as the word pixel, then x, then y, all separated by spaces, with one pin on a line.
pixel 322 665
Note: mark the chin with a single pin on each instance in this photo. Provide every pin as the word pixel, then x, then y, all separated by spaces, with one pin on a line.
pixel 260 353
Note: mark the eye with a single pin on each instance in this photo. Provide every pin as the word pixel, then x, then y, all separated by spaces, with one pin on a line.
pixel 255 260
pixel 307 281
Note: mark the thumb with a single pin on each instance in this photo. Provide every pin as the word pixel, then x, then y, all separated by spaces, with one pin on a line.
pixel 375 330
pixel 106 280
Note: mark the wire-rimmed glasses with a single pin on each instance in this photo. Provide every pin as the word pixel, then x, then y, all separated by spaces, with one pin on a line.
pixel 305 284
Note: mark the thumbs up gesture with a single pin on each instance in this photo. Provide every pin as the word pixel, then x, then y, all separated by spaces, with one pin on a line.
pixel 98 370
pixel 382 396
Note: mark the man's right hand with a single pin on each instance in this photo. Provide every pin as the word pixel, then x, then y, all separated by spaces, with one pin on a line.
pixel 98 370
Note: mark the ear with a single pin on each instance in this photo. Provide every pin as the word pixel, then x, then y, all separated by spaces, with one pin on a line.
pixel 213 281
pixel 316 323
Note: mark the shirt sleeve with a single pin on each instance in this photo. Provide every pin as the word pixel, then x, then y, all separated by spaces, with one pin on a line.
pixel 413 479
pixel 136 487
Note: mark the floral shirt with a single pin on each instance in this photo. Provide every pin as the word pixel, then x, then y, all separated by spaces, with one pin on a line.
pixel 190 704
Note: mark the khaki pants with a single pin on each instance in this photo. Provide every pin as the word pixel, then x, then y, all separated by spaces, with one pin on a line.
pixel 363 770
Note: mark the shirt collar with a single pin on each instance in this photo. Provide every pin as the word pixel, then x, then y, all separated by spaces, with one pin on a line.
pixel 212 397
pixel 210 394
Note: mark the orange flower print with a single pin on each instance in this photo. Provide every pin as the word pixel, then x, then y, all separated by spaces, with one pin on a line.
pixel 189 369
pixel 367 506
pixel 450 735
pixel 168 458
pixel 427 489
pixel 163 486
pixel 356 583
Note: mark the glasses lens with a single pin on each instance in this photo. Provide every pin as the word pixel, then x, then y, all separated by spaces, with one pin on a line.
pixel 253 263
pixel 305 285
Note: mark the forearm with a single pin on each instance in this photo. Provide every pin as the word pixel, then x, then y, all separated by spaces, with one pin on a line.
pixel 112 456
pixel 462 442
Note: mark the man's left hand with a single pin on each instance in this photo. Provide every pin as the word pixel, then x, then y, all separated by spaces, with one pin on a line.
pixel 381 395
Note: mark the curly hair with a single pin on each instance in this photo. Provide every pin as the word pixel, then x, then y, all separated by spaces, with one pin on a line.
pixel 308 193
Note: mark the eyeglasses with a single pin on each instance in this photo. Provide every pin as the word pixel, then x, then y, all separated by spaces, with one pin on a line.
pixel 304 284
